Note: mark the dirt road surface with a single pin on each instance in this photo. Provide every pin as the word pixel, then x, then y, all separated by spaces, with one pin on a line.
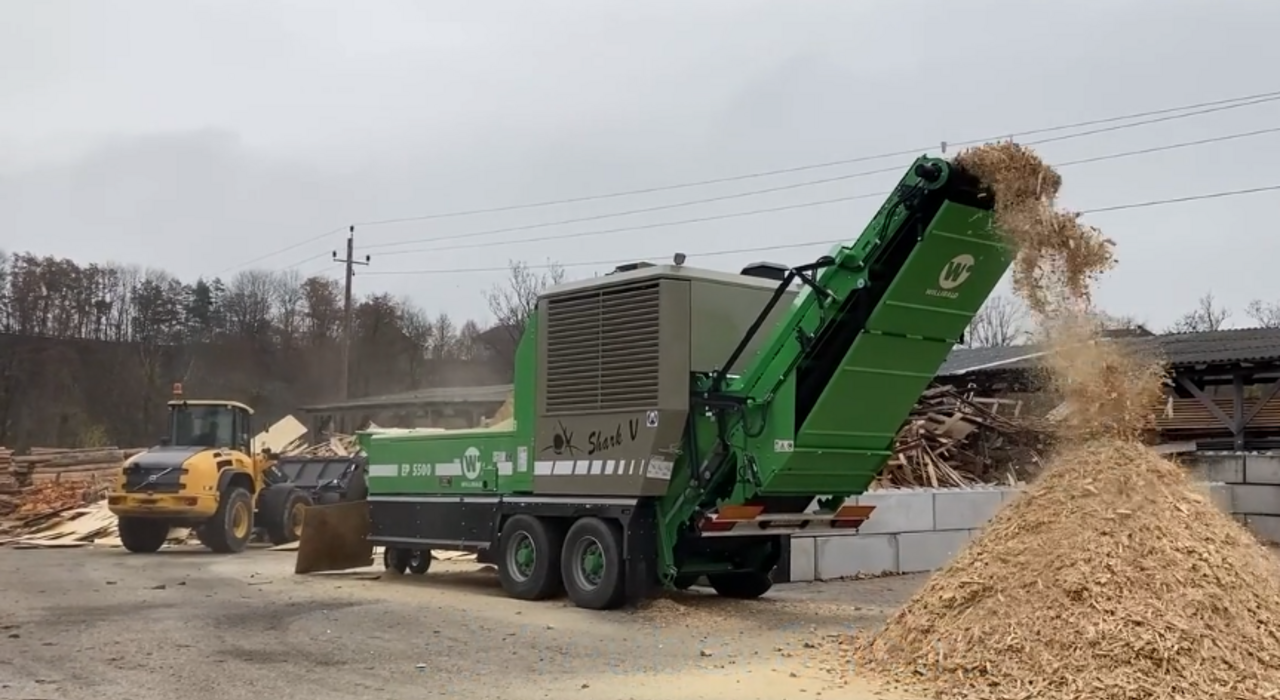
pixel 102 624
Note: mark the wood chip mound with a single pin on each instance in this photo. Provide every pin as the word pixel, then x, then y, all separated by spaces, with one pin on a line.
pixel 1112 577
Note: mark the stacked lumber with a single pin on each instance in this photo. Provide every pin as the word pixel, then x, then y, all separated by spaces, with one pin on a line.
pixel 52 479
pixel 92 464
pixel 10 489
pixel 952 439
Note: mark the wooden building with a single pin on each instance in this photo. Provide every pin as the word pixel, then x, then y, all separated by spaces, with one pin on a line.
pixel 1221 392
pixel 440 407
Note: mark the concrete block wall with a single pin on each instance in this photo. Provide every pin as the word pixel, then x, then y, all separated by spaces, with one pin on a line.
pixel 1252 480
pixel 919 530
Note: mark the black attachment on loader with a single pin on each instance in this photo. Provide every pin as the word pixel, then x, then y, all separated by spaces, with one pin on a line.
pixel 328 479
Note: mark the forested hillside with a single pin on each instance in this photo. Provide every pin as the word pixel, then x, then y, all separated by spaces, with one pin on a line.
pixel 89 352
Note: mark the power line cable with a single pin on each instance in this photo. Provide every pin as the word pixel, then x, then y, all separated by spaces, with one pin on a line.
pixel 787 246
pixel 781 188
pixel 1164 114
pixel 1202 107
pixel 644 210
pixel 801 205
pixel 285 249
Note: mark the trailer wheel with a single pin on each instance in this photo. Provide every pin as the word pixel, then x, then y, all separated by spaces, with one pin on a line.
pixel 529 560
pixel 142 535
pixel 592 564
pixel 742 585
pixel 419 561
pixel 395 559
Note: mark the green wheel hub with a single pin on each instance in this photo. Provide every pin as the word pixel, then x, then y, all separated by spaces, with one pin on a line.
pixel 522 557
pixel 590 563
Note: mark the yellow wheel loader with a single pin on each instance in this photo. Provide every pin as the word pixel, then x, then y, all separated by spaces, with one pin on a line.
pixel 207 476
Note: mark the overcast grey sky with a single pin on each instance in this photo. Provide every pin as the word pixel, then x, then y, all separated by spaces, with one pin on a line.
pixel 196 136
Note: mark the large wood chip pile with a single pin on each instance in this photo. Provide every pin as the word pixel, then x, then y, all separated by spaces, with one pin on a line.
pixel 1113 577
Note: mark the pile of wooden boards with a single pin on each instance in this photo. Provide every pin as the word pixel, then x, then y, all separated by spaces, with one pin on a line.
pixel 335 446
pixel 953 439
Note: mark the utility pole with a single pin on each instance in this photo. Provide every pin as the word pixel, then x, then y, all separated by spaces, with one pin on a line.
pixel 350 261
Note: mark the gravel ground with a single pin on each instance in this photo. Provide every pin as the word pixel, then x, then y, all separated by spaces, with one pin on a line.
pixel 102 624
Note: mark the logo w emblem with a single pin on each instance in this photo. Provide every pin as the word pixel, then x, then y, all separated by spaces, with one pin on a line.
pixel 471 463
pixel 955 272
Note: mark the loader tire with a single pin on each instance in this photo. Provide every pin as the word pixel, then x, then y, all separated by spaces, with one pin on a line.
pixel 281 508
pixel 142 535
pixel 741 585
pixel 529 558
pixel 592 565
pixel 230 528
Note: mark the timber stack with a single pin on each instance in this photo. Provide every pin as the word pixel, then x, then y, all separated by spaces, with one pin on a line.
pixel 50 474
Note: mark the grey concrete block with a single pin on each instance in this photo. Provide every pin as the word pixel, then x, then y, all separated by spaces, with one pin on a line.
pixel 928 551
pixel 804 562
pixel 897 511
pixel 1262 469
pixel 850 555
pixel 965 509
pixel 1255 499
pixel 1224 467
pixel 1264 527
pixel 1222 495
pixel 1008 494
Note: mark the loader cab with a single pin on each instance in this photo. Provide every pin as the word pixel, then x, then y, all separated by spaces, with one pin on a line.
pixel 211 424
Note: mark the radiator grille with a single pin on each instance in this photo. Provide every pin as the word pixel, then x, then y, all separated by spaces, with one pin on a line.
pixel 603 350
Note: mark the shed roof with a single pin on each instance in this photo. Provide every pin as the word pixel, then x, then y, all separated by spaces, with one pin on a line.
pixel 494 393
pixel 1232 346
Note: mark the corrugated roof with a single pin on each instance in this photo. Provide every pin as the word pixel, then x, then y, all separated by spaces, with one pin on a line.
pixel 495 393
pixel 1179 350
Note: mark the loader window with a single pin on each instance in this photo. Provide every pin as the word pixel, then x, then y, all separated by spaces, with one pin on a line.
pixel 203 426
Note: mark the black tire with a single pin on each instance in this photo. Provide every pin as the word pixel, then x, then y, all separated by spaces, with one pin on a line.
pixel 419 561
pixel 684 583
pixel 230 528
pixel 395 559
pixel 529 558
pixel 742 585
pixel 142 535
pixel 357 487
pixel 592 566
pixel 280 508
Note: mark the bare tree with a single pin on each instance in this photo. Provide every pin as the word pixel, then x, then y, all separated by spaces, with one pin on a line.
pixel 288 297
pixel 1206 316
pixel 1001 322
pixel 1120 322
pixel 444 337
pixel 1265 314
pixel 513 304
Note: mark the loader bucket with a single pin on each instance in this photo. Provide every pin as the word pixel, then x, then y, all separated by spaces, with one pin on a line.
pixel 334 538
